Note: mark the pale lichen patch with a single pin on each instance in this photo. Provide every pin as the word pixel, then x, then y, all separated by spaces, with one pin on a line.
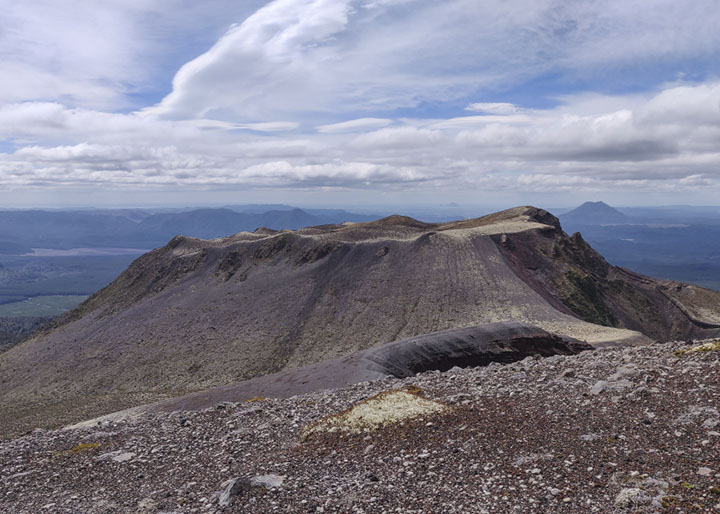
pixel 383 409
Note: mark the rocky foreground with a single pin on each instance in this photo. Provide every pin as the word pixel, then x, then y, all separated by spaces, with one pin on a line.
pixel 612 430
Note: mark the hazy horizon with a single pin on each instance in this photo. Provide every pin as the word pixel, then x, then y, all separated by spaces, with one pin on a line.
pixel 358 207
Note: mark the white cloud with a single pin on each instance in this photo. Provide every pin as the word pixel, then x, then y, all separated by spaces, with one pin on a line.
pixel 398 138
pixel 100 54
pixel 348 56
pixel 687 105
pixel 499 108
pixel 273 51
pixel 69 50
pixel 272 126
pixel 470 122
pixel 358 125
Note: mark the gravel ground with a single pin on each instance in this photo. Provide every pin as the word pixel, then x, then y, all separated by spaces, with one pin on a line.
pixel 611 431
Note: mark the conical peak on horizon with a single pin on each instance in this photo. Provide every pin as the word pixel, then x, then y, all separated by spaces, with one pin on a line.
pixel 594 213
pixel 599 203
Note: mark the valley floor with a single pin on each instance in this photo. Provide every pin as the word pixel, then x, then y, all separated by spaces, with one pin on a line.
pixel 609 431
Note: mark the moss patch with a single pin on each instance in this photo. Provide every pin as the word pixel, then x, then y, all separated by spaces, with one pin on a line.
pixel 712 346
pixel 584 297
pixel 84 447
pixel 80 449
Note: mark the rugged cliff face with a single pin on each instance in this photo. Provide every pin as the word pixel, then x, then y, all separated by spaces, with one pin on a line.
pixel 197 314
pixel 571 275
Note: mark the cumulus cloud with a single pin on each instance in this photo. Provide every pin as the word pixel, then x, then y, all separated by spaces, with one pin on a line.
pixel 655 144
pixel 257 59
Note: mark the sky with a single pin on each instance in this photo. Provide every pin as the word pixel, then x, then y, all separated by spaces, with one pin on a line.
pixel 359 102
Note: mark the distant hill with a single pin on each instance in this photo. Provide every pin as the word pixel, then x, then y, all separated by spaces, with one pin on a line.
pixel 10 248
pixel 259 208
pixel 201 313
pixel 204 223
pixel 213 223
pixel 22 230
pixel 594 213
pixel 59 229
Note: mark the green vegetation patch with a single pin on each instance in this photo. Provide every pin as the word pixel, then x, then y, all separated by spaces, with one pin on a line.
pixel 584 297
pixel 41 306
pixel 712 346
pixel 84 447
pixel 80 449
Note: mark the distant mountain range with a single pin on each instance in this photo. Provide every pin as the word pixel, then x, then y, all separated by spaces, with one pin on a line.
pixel 22 230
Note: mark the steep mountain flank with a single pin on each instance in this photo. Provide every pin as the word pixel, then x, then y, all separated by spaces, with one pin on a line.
pixel 571 275
pixel 14 329
pixel 202 313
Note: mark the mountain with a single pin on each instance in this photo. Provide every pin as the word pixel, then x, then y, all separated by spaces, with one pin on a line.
pixel 205 223
pixel 594 213
pixel 47 253
pixel 199 313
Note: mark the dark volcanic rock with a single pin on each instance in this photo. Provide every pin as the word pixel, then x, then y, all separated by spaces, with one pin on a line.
pixel 242 486
pixel 467 347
